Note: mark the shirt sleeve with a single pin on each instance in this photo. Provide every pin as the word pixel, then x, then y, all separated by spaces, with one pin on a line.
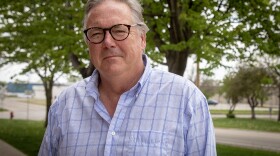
pixel 50 141
pixel 198 127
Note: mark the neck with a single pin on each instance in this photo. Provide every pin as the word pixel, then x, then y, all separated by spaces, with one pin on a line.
pixel 120 83
pixel 112 87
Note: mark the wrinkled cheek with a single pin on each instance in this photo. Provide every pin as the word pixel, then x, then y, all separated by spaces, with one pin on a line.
pixel 93 56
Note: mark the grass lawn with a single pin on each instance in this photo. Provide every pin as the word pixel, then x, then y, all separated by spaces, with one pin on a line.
pixel 33 101
pixel 225 150
pixel 3 110
pixel 249 124
pixel 27 136
pixel 245 112
pixel 23 135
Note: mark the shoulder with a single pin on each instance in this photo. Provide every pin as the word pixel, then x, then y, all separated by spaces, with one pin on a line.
pixel 175 83
pixel 76 87
pixel 165 77
pixel 69 95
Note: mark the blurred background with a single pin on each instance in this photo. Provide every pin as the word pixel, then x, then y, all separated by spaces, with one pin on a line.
pixel 229 48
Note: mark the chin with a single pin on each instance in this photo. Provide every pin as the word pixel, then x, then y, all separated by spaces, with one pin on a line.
pixel 113 71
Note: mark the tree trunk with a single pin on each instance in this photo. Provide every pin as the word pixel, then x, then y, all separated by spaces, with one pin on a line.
pixel 197 78
pixel 74 59
pixel 48 85
pixel 176 62
pixel 253 113
pixel 232 108
pixel 278 103
pixel 253 102
pixel 85 72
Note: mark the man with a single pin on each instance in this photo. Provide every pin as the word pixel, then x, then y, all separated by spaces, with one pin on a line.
pixel 126 107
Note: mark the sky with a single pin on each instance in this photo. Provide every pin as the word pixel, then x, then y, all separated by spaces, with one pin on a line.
pixel 9 71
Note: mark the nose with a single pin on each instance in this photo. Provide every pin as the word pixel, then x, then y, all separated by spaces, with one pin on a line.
pixel 108 39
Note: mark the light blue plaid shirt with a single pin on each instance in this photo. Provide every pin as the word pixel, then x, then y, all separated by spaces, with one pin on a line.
pixel 163 114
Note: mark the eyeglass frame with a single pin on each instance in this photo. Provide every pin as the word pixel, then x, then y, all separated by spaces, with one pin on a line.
pixel 110 31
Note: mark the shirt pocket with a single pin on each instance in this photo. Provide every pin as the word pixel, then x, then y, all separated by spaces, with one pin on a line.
pixel 141 143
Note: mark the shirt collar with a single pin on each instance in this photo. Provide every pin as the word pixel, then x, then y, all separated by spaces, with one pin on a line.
pixel 145 75
pixel 92 84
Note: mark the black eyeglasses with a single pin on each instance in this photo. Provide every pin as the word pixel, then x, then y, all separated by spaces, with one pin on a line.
pixel 119 32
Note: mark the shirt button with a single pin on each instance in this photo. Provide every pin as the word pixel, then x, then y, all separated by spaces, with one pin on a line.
pixel 113 133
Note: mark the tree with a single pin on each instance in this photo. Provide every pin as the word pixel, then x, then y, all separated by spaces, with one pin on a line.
pixel 272 65
pixel 249 83
pixel 48 34
pixel 275 74
pixel 264 36
pixel 44 35
pixel 209 87
pixel 210 30
pixel 231 89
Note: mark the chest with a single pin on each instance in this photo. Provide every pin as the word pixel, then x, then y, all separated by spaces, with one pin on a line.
pixel 139 129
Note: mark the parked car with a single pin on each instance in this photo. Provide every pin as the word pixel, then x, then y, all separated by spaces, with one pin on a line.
pixel 212 102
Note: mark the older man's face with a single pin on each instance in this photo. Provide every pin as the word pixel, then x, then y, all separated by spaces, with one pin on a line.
pixel 111 57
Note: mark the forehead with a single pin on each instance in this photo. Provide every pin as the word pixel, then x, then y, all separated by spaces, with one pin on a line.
pixel 109 13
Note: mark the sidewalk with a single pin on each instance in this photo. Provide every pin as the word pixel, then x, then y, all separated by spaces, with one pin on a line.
pixel 8 150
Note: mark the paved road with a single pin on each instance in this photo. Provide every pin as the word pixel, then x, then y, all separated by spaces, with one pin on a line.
pixel 250 139
pixel 22 109
pixel 243 138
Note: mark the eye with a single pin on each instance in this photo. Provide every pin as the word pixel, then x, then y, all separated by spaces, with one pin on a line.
pixel 94 33
pixel 120 31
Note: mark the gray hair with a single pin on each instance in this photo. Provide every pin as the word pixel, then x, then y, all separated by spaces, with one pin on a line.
pixel 134 5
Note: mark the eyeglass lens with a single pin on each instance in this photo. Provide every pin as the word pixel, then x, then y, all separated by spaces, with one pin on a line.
pixel 118 32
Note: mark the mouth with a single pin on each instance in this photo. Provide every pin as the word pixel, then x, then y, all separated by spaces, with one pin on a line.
pixel 109 57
